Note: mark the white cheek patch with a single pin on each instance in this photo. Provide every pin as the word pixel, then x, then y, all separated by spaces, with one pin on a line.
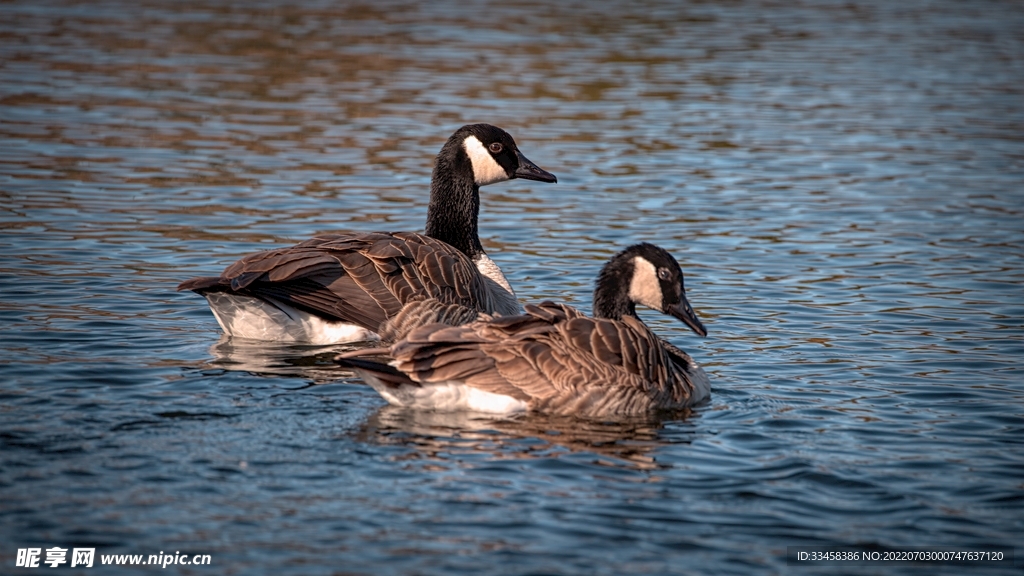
pixel 645 288
pixel 485 169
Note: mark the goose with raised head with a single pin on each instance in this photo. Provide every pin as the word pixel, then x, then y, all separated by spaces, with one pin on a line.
pixel 553 358
pixel 341 287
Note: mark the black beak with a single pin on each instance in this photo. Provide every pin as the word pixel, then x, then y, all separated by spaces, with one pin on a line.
pixel 529 171
pixel 685 312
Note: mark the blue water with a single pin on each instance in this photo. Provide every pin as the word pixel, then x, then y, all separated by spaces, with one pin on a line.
pixel 842 183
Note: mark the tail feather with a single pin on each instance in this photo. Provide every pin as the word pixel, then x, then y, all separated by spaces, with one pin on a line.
pixel 202 284
pixel 377 371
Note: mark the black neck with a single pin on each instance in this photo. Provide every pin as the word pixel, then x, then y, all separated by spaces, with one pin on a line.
pixel 611 300
pixel 454 205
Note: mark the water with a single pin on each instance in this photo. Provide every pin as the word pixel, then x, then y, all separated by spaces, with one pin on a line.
pixel 842 183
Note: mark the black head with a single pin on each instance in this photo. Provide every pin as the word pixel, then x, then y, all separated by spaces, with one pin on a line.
pixel 644 274
pixel 475 155
pixel 494 156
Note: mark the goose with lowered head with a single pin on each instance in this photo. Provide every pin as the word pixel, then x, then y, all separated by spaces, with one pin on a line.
pixel 553 358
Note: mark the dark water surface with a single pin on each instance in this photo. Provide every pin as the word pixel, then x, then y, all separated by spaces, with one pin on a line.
pixel 842 182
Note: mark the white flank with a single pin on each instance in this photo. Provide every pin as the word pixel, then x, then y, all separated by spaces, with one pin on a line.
pixel 645 288
pixel 248 317
pixel 445 397
pixel 485 169
pixel 505 301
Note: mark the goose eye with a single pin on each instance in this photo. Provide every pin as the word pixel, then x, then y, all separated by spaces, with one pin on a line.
pixel 663 274
pixel 496 147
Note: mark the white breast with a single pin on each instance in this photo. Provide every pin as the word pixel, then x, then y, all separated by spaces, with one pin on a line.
pixel 701 383
pixel 505 301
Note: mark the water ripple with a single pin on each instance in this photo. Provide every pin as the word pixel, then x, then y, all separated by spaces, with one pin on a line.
pixel 841 183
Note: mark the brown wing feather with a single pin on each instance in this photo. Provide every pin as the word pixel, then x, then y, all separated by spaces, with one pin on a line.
pixel 424 311
pixel 360 278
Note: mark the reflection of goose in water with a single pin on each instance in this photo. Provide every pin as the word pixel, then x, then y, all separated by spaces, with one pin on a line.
pixel 444 436
pixel 277 358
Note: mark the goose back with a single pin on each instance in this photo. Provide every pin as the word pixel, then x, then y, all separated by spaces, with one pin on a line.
pixel 350 279
pixel 425 311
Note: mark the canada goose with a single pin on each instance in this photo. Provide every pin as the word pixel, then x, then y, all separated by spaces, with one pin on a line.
pixel 553 358
pixel 340 287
